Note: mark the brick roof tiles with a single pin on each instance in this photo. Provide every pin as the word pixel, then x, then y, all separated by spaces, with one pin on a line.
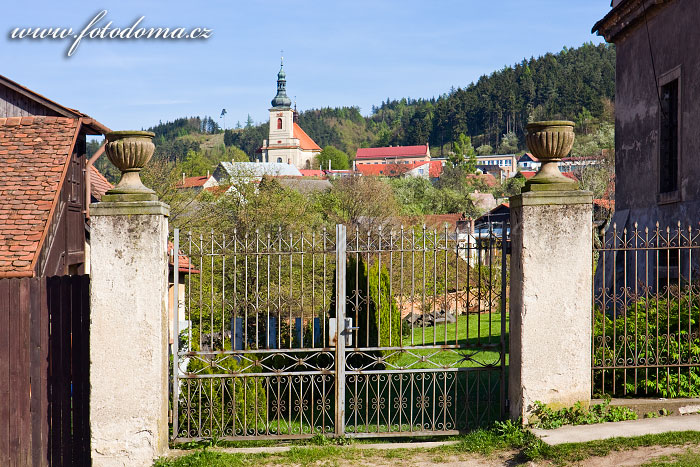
pixel 34 153
pixel 192 182
pixel 305 141
pixel 98 183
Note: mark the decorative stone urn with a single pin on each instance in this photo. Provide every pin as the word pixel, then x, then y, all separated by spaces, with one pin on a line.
pixel 550 142
pixel 130 151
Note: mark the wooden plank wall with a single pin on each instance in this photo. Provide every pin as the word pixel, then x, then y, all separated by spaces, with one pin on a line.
pixel 44 363
pixel 15 104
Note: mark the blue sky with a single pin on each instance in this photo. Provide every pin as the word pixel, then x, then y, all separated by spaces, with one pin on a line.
pixel 336 52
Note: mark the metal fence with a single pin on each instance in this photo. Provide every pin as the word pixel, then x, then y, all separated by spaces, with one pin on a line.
pixel 646 312
pixel 386 333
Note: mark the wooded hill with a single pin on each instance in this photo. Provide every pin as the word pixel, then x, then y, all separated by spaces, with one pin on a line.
pixel 563 85
pixel 576 84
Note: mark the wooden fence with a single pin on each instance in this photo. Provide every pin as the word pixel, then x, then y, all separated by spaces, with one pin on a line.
pixel 44 364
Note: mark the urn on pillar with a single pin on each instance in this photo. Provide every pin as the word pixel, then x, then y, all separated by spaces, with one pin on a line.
pixel 550 141
pixel 130 151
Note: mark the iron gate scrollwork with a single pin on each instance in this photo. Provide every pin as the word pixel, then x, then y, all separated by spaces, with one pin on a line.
pixel 384 333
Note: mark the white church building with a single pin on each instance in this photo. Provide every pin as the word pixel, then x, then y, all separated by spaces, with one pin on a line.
pixel 287 142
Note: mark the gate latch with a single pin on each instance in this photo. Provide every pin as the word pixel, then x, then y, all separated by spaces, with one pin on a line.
pixel 346 331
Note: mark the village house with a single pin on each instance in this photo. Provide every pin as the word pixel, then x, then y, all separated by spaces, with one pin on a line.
pixel 508 163
pixel 656 111
pixel 197 184
pixel 529 162
pixel 46 184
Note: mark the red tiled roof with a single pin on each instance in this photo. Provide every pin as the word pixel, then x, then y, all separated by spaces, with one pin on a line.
pixel 192 182
pixel 487 178
pixel 305 140
pixel 34 156
pixel 393 151
pixel 605 203
pixel 571 176
pixel 183 262
pixel 439 220
pixel 312 173
pixel 98 183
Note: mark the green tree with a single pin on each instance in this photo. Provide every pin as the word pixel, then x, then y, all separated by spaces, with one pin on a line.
pixel 338 159
pixel 484 150
pixel 463 154
pixel 509 143
pixel 195 164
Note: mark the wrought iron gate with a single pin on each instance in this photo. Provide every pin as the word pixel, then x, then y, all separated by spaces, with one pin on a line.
pixel 363 334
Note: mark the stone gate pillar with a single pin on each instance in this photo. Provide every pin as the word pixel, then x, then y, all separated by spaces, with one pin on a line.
pixel 128 325
pixel 550 282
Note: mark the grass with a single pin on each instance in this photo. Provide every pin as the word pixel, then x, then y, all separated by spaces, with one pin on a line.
pixel 471 330
pixel 575 452
pixel 508 437
pixel 686 459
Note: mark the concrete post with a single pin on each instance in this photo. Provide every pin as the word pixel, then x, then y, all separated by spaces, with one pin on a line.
pixel 128 332
pixel 550 300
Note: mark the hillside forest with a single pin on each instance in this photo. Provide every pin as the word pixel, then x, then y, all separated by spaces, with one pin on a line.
pixel 488 116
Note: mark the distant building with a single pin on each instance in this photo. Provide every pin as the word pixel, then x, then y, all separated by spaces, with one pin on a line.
pixel 528 162
pixel 287 142
pixel 495 171
pixel 430 169
pixel 393 155
pixel 507 162
pixel 197 183
pixel 231 172
pixel 576 163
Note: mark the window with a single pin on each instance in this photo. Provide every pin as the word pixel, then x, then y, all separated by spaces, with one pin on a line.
pixel 668 133
pixel 279 159
pixel 279 124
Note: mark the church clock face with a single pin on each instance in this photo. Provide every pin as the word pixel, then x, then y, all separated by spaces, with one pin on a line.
pixel 279 114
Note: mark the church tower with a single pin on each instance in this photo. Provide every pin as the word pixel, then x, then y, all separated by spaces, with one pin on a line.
pixel 281 113
pixel 287 142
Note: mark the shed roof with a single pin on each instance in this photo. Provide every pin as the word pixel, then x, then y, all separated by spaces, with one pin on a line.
pixel 34 156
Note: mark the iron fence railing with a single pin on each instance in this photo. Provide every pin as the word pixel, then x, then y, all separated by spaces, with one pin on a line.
pixel 361 334
pixel 646 312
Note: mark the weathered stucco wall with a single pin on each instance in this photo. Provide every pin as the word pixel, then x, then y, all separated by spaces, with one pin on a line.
pixel 673 34
pixel 550 306
pixel 128 334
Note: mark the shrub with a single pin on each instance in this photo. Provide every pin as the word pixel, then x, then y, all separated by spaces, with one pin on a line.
pixel 548 418
pixel 216 407
pixel 650 331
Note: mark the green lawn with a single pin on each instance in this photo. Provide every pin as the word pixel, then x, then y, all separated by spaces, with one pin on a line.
pixel 473 332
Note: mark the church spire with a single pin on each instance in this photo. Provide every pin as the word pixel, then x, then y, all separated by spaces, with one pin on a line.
pixel 281 100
